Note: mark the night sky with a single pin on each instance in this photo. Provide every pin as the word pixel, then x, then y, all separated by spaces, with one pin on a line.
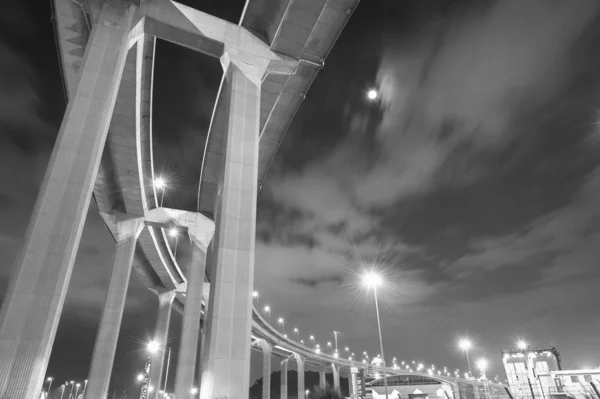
pixel 473 181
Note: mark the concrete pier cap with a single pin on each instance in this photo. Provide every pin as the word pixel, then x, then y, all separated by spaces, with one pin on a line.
pixel 199 228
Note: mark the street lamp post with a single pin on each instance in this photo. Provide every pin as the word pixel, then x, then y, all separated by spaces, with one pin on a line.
pixel 160 184
pixel 49 379
pixel 335 333
pixel 297 334
pixel 167 371
pixel 282 322
pixel 373 280
pixel 154 347
pixel 63 391
pixel 465 345
pixel 255 294
pixel 268 310
pixel 84 388
pixel 77 389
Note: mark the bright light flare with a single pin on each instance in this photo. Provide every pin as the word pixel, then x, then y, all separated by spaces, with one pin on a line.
pixel 372 279
pixel 140 377
pixel 255 294
pixel 160 183
pixel 194 390
pixel 173 232
pixel 465 344
pixel 267 309
pixel 482 364
pixel 280 320
pixel 372 94
pixel 153 347
pixel 522 345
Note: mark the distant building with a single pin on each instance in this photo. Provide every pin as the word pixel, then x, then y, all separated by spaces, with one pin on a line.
pixel 412 386
pixel 570 384
pixel 522 367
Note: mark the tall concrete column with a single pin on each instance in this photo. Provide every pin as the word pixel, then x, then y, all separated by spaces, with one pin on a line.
pixel 354 382
pixel 336 378
pixel 226 363
pixel 301 388
pixel 161 332
pixel 322 379
pixel 126 234
pixel 363 383
pixel 284 379
pixel 190 332
pixel 266 390
pixel 35 296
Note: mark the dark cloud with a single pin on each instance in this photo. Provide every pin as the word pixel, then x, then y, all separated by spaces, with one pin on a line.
pixel 314 282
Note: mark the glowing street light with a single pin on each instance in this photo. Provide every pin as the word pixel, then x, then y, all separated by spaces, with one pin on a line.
pixel 522 345
pixel 153 347
pixel 465 344
pixel 312 338
pixel 77 390
pixel 373 280
pixel 482 365
pixel 372 94
pixel 282 322
pixel 49 379
pixel 140 377
pixel 335 334
pixel 255 295
pixel 297 334
pixel 302 342
pixel 194 390
pixel 268 310
pixel 160 184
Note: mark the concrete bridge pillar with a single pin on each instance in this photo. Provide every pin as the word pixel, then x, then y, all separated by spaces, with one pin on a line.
pixel 354 382
pixel 161 331
pixel 284 379
pixel 226 362
pixel 36 292
pixel 301 385
pixel 200 234
pixel 126 234
pixel 266 389
pixel 322 380
pixel 363 383
pixel 336 378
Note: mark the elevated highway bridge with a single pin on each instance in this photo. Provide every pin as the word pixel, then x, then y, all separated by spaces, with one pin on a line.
pixel 105 150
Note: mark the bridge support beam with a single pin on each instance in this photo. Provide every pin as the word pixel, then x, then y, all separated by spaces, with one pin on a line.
pixel 266 388
pixel 126 234
pixel 336 378
pixel 354 382
pixel 34 300
pixel 363 383
pixel 226 363
pixel 161 332
pixel 284 379
pixel 201 233
pixel 300 367
pixel 322 379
